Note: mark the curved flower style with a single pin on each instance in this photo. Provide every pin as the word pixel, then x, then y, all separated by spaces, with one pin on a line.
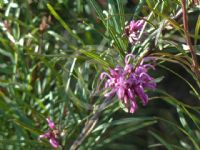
pixel 133 29
pixel 52 134
pixel 127 83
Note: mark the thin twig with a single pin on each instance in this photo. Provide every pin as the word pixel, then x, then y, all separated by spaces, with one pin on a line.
pixel 89 125
pixel 188 40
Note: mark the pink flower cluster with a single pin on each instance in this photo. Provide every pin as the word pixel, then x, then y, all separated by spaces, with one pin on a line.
pixel 52 134
pixel 128 82
pixel 133 29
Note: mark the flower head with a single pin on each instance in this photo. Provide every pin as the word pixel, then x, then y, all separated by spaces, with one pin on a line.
pixel 51 134
pixel 128 82
pixel 133 29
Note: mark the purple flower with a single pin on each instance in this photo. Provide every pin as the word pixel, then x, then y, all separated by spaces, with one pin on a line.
pixel 128 82
pixel 51 134
pixel 133 29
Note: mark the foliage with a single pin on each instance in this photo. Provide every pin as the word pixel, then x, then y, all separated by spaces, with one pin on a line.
pixel 53 52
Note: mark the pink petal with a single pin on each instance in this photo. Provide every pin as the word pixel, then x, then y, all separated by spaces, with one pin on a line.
pixel 125 99
pixel 51 124
pixel 121 92
pixel 149 66
pixel 150 85
pixel 133 106
pixel 127 56
pixel 119 70
pixel 140 23
pixel 145 77
pixel 130 94
pixel 110 94
pixel 54 142
pixel 132 25
pixel 45 135
pixel 113 72
pixel 103 75
pixel 140 92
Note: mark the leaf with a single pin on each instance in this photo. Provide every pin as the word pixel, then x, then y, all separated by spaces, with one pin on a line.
pixel 111 24
pixel 24 126
pixel 192 139
pixel 167 145
pixel 196 35
pixel 95 57
pixel 171 21
pixel 159 79
pixel 123 130
pixel 121 12
pixel 133 120
pixel 191 86
pixel 34 143
pixel 63 23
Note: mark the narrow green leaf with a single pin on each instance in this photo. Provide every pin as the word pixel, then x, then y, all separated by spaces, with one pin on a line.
pixel 196 35
pixel 191 86
pixel 167 145
pixel 95 57
pixel 24 126
pixel 63 23
pixel 121 131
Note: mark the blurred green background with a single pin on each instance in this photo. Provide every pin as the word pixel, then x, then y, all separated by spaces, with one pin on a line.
pixel 51 55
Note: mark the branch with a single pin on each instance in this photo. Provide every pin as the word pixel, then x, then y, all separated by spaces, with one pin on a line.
pixel 89 125
pixel 188 41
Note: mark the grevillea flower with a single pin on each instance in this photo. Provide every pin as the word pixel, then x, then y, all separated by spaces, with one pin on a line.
pixel 128 82
pixel 133 29
pixel 51 134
